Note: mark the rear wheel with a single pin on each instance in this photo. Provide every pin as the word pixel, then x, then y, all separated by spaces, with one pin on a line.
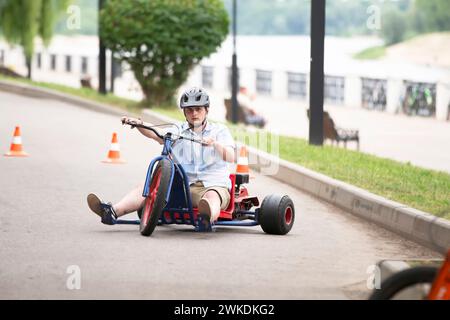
pixel 155 201
pixel 277 214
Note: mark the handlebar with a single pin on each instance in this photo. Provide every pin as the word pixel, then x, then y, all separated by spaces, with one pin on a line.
pixel 151 128
pixel 139 125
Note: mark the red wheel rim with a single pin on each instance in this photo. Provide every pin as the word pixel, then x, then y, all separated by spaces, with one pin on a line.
pixel 150 202
pixel 288 215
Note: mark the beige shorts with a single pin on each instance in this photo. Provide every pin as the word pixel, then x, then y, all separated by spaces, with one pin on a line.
pixel 198 190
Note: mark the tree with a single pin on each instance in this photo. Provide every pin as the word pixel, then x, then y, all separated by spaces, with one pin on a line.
pixel 393 26
pixel 22 20
pixel 162 40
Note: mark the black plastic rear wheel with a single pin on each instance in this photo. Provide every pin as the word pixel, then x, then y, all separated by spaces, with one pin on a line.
pixel 277 214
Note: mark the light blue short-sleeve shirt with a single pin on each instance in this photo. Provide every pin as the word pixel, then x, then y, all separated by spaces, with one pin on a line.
pixel 204 163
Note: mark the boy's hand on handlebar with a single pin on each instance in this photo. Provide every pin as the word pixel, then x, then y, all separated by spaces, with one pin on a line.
pixel 131 121
pixel 208 142
pixel 143 128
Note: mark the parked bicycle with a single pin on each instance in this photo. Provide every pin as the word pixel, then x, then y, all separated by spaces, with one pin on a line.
pixel 374 94
pixel 419 99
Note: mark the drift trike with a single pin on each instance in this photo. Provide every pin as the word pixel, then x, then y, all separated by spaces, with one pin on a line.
pixel 168 198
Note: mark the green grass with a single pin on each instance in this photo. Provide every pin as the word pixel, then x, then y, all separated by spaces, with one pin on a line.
pixel 420 188
pixel 371 53
pixel 424 189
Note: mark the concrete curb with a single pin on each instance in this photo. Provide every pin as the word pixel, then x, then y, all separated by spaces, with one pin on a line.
pixel 415 225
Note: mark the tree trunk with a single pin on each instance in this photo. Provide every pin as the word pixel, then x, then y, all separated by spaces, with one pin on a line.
pixel 156 96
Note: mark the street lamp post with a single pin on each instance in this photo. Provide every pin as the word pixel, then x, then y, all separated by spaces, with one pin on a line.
pixel 101 56
pixel 317 72
pixel 234 71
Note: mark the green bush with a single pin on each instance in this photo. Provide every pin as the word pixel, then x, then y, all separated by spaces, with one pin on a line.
pixel 162 40
pixel 393 26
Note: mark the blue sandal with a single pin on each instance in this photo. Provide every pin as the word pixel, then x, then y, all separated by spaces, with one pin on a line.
pixel 103 210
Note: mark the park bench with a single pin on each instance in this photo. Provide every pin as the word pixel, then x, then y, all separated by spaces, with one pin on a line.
pixel 334 133
pixel 85 82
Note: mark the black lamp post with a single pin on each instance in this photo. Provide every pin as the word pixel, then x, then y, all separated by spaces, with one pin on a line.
pixel 101 56
pixel 317 72
pixel 234 71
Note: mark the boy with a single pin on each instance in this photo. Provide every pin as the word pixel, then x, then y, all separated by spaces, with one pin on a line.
pixel 205 164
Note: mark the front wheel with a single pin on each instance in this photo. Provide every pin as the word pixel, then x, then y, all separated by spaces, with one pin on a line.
pixel 156 199
pixel 419 279
pixel 277 214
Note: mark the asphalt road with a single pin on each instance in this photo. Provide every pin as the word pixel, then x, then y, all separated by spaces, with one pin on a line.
pixel 46 226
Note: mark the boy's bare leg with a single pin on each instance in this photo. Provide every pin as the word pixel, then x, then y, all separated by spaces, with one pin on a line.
pixel 131 202
pixel 213 199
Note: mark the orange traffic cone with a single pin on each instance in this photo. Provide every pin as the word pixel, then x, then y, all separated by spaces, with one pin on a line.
pixel 16 146
pixel 242 163
pixel 114 151
pixel 242 172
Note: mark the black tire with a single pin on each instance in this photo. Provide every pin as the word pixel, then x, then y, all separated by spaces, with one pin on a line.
pixel 153 207
pixel 277 214
pixel 403 280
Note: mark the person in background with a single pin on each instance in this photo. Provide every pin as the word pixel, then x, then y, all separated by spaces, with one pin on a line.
pixel 245 101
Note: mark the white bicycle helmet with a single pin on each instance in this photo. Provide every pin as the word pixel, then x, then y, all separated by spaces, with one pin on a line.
pixel 194 97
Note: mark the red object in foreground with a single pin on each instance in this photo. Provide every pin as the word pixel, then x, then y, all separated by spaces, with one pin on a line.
pixel 440 289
